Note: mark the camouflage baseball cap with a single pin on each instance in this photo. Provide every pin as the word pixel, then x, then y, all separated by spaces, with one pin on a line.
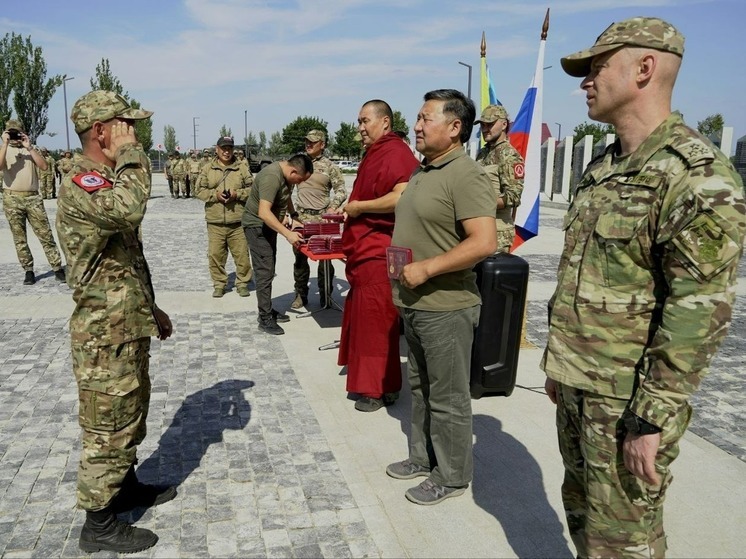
pixel 492 113
pixel 316 136
pixel 100 106
pixel 13 124
pixel 646 32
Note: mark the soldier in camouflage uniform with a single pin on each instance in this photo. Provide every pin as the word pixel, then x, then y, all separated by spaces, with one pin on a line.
pixel 101 206
pixel 323 192
pixel 646 284
pixel 224 186
pixel 504 165
pixel 64 165
pixel 193 168
pixel 46 177
pixel 167 172
pixel 179 172
pixel 21 163
pixel 241 158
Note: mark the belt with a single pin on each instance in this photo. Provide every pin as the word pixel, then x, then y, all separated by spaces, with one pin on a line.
pixel 20 193
pixel 312 212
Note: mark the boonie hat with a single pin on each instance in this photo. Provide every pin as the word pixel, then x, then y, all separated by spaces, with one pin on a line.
pixel 13 124
pixel 316 136
pixel 224 141
pixel 100 106
pixel 646 32
pixel 491 113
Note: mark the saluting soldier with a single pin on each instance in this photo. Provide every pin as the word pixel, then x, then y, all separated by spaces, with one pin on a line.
pixel 101 207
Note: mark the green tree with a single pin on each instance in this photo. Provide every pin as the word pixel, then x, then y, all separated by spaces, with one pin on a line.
pixel 250 140
pixel 276 146
pixel 32 91
pixel 262 141
pixel 6 80
pixel 712 125
pixel 225 131
pixel 106 80
pixel 400 123
pixel 294 133
pixel 598 131
pixel 344 140
pixel 169 138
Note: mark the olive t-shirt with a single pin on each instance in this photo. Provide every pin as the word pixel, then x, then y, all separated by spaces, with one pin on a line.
pixel 428 221
pixel 269 185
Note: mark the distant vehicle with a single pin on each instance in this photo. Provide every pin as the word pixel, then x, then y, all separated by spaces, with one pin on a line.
pixel 348 165
pixel 257 161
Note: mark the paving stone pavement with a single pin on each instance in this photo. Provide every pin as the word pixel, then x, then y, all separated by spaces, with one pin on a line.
pixel 260 471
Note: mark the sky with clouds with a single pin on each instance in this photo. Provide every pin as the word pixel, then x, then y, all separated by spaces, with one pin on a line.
pixel 273 60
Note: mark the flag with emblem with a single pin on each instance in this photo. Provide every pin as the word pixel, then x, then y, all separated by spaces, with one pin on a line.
pixel 525 136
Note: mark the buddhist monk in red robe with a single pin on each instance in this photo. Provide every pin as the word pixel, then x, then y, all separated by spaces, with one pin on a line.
pixel 369 344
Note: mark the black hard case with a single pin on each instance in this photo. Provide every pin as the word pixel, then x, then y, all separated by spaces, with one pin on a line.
pixel 502 280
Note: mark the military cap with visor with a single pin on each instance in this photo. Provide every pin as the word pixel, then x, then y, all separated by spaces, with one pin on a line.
pixel 14 124
pixel 492 113
pixel 316 136
pixel 100 106
pixel 224 141
pixel 645 32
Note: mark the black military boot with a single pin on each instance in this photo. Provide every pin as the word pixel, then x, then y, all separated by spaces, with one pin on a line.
pixel 102 531
pixel 134 494
pixel 29 278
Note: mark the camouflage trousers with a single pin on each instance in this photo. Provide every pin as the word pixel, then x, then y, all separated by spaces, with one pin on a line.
pixel 18 209
pixel 46 187
pixel 179 186
pixel 610 512
pixel 114 396
pixel 221 239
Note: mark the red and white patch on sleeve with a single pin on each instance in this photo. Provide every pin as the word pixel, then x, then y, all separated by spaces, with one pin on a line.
pixel 519 170
pixel 91 181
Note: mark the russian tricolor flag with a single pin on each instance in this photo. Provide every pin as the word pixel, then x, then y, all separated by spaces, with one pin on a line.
pixel 525 135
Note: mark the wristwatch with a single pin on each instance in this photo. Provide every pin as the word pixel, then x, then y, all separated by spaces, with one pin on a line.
pixel 638 426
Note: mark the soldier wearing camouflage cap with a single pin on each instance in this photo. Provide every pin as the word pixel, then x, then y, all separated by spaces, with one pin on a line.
pixel 101 206
pixel 323 192
pixel 21 163
pixel 504 166
pixel 646 285
pixel 46 177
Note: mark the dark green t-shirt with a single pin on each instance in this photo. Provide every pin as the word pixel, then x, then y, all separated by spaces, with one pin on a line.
pixel 428 221
pixel 269 185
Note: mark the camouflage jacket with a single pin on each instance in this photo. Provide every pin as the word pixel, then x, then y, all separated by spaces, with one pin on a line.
pixel 98 232
pixel 216 178
pixel 179 168
pixel 194 166
pixel 49 171
pixel 504 166
pixel 64 165
pixel 647 276
pixel 324 190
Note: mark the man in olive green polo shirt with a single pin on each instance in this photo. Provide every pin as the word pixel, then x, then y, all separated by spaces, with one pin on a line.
pixel 437 294
pixel 262 220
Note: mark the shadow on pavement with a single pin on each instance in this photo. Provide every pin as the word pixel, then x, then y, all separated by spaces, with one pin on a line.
pixel 508 485
pixel 199 422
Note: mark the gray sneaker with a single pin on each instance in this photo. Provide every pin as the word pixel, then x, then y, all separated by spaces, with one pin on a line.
pixel 430 493
pixel 406 469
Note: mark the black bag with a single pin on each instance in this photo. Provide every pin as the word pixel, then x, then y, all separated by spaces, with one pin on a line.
pixel 502 280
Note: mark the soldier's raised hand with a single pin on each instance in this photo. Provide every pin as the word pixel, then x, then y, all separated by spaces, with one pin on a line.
pixel 121 134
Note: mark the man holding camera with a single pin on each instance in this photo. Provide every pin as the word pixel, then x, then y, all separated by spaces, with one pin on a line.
pixel 20 163
pixel 224 187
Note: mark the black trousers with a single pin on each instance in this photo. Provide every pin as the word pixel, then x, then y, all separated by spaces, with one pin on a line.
pixel 263 248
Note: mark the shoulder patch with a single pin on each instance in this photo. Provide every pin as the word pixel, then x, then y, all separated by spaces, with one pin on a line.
pixel 519 170
pixel 693 149
pixel 91 181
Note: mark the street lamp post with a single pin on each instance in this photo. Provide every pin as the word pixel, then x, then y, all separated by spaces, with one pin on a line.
pixel 194 129
pixel 469 87
pixel 245 127
pixel 559 131
pixel 65 79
